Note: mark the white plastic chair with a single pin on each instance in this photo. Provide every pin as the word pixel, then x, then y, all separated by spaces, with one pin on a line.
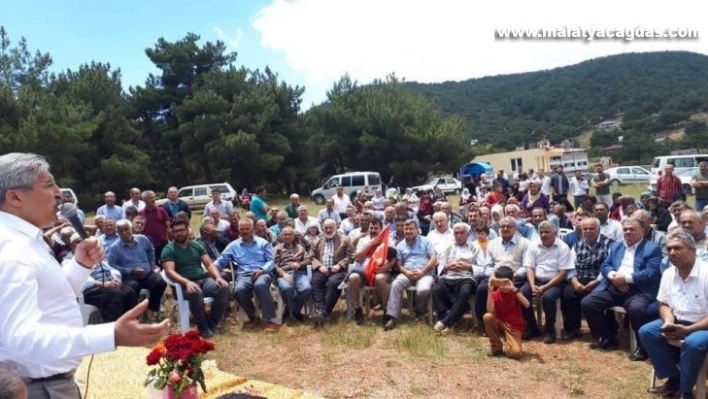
pixel 241 315
pixel 181 306
pixel 537 303
pixel 620 314
pixel 700 380
pixel 87 311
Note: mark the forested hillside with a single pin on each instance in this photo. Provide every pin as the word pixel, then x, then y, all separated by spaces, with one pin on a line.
pixel 558 103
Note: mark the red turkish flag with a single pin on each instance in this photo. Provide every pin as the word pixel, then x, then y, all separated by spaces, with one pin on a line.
pixel 377 256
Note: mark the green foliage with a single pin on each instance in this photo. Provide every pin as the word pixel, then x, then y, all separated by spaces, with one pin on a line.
pixel 503 110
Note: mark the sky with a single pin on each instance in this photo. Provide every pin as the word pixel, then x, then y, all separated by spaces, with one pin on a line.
pixel 312 43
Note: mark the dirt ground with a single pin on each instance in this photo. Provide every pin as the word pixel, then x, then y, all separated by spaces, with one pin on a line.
pixel 343 360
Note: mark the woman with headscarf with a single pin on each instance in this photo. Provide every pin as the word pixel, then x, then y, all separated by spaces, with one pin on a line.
pixel 497 213
pixel 425 213
pixel 466 197
pixel 534 198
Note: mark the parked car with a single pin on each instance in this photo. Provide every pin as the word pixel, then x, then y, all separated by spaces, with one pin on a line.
pixel 448 184
pixel 685 176
pixel 352 182
pixel 199 195
pixel 628 175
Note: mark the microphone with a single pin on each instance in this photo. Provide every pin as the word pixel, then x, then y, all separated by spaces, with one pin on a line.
pixel 68 212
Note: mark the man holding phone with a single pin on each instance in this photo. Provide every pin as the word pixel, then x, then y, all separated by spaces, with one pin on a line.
pixel 683 299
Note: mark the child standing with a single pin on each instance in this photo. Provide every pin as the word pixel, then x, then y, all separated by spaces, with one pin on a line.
pixel 503 319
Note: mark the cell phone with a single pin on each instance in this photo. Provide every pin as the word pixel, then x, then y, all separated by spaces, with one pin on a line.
pixel 669 328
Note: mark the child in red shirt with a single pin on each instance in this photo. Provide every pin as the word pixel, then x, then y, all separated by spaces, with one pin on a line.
pixel 503 319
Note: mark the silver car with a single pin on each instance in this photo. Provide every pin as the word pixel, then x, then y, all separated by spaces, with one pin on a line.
pixel 628 175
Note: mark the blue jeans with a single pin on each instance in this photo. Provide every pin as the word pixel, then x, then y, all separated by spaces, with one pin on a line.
pixel 700 203
pixel 664 357
pixel 297 293
pixel 261 289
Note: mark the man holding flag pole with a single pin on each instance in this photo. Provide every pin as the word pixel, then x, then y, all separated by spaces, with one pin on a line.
pixel 376 260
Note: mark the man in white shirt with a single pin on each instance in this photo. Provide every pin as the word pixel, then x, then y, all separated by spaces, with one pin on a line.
pixel 351 221
pixel 578 188
pixel 683 299
pixel 547 263
pixel 441 236
pixel 41 331
pixel 610 228
pixel 544 182
pixel 692 222
pixel 341 202
pixel 226 208
pixel 304 221
pixel 134 200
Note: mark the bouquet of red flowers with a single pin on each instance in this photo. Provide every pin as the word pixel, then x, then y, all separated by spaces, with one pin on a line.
pixel 179 362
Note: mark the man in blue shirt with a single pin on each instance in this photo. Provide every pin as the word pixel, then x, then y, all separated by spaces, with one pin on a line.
pixel 417 259
pixel 110 210
pixel 258 204
pixel 253 259
pixel 109 236
pixel 133 256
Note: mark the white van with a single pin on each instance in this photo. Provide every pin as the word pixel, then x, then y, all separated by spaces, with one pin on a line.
pixel 198 196
pixel 352 182
pixel 680 162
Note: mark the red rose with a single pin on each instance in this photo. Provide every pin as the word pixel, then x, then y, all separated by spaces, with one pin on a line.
pixel 154 357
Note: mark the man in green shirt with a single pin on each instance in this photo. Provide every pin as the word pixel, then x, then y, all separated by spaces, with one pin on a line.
pixel 291 209
pixel 183 260
pixel 699 182
pixel 601 182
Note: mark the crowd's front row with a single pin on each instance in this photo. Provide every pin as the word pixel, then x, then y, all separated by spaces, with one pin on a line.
pixel 505 275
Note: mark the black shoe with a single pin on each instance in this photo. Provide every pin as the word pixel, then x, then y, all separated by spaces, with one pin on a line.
pixel 390 324
pixel 358 317
pixel 531 334
pixel 549 337
pixel 495 353
pixel 605 344
pixel 566 336
pixel 668 389
pixel 639 355
pixel 206 332
pixel 215 328
pixel 299 317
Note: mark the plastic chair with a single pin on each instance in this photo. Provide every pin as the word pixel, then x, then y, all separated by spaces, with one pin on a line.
pixel 88 312
pixel 559 316
pixel 274 293
pixel 181 307
pixel 700 380
pixel 410 293
pixel 620 313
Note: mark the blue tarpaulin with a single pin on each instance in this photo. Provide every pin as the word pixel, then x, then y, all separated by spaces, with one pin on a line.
pixel 476 169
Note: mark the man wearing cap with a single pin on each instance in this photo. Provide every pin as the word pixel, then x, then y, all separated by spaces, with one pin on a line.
pixel 643 200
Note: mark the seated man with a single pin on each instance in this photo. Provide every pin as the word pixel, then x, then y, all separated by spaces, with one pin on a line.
pixel 589 254
pixel 331 256
pixel 683 295
pixel 304 221
pixel 451 295
pixel 416 264
pixel 260 229
pixel 253 258
pixel 631 278
pixel 104 290
pixel 213 240
pixel 547 262
pixel 357 280
pixel 507 250
pixel 441 236
pixel 608 227
pixel 133 257
pixel 280 218
pixel 109 236
pixel 183 259
pixel 293 281
pixel 350 222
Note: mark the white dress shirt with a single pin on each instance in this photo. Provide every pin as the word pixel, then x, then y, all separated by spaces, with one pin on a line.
pixel 578 188
pixel 627 266
pixel 41 328
pixel 441 241
pixel 341 204
pixel 688 299
pixel 612 229
pixel 548 262
pixel 302 227
pixel 545 183
pixel 139 206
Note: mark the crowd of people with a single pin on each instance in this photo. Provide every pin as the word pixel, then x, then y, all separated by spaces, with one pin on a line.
pixel 532 239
